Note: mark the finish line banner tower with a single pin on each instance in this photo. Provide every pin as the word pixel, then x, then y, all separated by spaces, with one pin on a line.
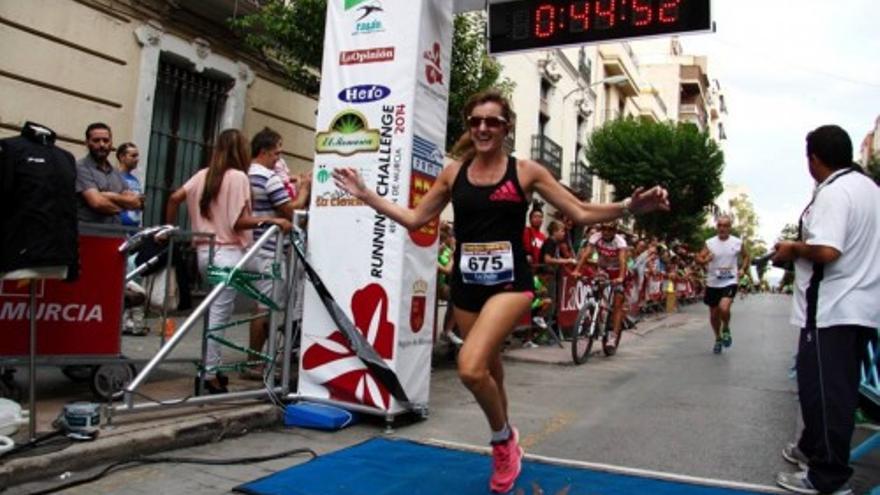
pixel 382 110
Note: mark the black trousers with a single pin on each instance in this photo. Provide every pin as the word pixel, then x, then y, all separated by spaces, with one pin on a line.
pixel 828 377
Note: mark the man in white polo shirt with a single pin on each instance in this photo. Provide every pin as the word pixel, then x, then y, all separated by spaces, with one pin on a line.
pixel 837 289
pixel 726 259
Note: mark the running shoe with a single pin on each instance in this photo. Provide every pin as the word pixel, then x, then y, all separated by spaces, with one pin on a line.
pixel 540 322
pixel 726 339
pixel 799 483
pixel 506 463
pixel 530 345
pixel 793 454
pixel 717 348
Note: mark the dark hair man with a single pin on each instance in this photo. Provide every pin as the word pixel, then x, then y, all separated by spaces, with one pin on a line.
pixel 269 199
pixel 128 156
pixel 101 190
pixel 837 279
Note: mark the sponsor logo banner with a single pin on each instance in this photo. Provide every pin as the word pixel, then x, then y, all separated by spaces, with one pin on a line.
pixel 418 304
pixel 368 56
pixel 364 93
pixel 331 362
pixel 73 319
pixel 367 15
pixel 432 64
pixel 349 133
pixel 427 163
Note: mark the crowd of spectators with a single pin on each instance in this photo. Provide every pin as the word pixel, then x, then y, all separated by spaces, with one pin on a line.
pixel 659 277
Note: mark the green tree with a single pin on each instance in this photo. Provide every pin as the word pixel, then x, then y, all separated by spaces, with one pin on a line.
pixel 789 233
pixel 289 37
pixel 632 152
pixel 472 70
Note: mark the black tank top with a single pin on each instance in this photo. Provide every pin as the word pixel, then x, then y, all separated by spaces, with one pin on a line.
pixel 489 214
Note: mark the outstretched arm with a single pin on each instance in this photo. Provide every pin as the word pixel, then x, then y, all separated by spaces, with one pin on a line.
pixel 350 181
pixel 538 178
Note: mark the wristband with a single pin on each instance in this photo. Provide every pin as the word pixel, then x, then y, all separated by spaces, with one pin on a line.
pixel 626 203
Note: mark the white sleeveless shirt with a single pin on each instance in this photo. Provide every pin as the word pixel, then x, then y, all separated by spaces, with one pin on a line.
pixel 723 270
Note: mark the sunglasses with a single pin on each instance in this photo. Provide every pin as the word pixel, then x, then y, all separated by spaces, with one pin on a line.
pixel 491 122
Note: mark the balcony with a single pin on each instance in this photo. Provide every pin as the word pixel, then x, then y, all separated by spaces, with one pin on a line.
pixel 612 114
pixel 651 106
pixel 618 59
pixel 549 154
pixel 581 181
pixel 695 114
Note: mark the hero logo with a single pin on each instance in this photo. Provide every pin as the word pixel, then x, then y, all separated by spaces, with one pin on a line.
pixel 364 93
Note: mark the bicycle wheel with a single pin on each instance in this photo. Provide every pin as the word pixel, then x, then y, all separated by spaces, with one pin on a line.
pixel 582 335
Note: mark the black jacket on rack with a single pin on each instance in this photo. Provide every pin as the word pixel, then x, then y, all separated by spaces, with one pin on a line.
pixel 38 225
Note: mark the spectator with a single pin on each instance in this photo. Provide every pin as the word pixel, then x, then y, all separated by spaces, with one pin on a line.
pixel 127 155
pixel 551 255
pixel 218 202
pixel 101 190
pixel 533 238
pixel 445 264
pixel 270 200
pixel 837 279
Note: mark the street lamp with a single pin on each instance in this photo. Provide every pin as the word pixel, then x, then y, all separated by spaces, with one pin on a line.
pixel 611 81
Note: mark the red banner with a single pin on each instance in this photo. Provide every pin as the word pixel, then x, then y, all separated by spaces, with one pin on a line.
pixel 572 293
pixel 73 319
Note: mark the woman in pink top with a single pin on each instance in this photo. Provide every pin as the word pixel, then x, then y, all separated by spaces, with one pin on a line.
pixel 218 202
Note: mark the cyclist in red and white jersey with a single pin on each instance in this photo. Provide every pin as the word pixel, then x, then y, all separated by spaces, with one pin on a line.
pixel 610 252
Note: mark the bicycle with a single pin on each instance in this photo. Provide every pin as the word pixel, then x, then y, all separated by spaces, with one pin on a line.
pixel 594 322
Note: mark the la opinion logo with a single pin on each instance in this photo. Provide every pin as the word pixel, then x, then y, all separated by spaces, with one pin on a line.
pixel 368 12
pixel 331 362
pixel 349 133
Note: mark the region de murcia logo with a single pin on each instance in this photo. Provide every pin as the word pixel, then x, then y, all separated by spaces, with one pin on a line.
pixel 418 305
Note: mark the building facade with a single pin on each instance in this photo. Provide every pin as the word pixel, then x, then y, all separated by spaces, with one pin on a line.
pixel 562 95
pixel 166 76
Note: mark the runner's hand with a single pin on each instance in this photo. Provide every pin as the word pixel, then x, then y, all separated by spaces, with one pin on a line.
pixel 350 181
pixel 646 201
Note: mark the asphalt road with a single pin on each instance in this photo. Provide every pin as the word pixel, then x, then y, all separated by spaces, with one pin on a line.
pixel 664 403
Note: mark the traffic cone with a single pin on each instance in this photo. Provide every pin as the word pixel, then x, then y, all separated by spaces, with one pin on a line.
pixel 170 328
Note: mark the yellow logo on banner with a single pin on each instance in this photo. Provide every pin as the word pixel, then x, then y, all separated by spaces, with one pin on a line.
pixel 348 134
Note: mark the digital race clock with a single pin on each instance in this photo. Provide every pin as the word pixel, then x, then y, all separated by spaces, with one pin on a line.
pixel 525 24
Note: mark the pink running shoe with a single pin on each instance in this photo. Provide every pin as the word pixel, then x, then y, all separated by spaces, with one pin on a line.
pixel 506 463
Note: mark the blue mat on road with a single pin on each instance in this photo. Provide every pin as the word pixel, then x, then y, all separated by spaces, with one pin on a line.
pixel 393 467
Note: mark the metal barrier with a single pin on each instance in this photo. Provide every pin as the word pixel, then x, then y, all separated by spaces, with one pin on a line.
pixel 200 313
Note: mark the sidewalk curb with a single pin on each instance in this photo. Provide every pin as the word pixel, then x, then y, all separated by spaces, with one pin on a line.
pixel 198 428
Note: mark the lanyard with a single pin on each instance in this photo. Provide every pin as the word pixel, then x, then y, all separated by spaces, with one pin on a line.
pixel 821 186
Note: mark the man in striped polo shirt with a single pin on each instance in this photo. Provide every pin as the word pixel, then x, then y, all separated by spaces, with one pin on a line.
pixel 269 198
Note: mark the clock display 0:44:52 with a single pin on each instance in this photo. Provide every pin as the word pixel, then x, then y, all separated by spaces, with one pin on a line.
pixel 551 18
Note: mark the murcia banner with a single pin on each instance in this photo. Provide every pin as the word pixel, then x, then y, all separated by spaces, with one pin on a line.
pixel 382 110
